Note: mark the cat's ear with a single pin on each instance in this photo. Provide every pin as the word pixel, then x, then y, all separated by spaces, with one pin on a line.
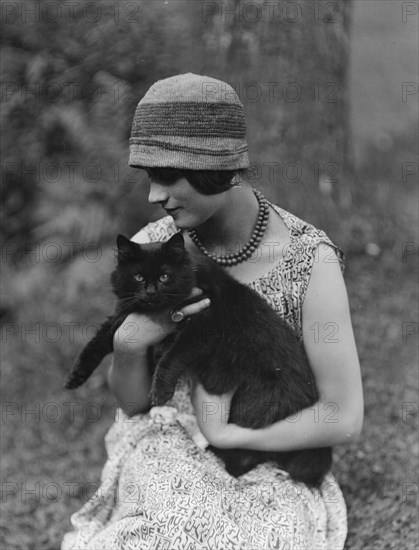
pixel 127 250
pixel 175 247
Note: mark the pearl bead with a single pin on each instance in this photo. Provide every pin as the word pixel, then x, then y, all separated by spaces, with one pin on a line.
pixel 247 250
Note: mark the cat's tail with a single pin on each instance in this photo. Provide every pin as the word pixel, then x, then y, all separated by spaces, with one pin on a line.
pixel 82 369
pixel 311 465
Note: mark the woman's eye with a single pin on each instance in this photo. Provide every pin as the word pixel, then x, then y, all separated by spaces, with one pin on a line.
pixel 139 278
pixel 163 277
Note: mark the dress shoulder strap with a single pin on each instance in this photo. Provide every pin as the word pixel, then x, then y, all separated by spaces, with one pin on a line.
pixel 308 237
pixel 295 272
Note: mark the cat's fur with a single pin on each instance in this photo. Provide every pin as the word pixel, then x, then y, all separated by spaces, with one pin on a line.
pixel 239 342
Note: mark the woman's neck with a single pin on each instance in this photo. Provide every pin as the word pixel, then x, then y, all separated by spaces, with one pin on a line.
pixel 232 225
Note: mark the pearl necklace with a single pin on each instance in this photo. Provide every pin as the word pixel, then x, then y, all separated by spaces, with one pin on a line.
pixel 244 253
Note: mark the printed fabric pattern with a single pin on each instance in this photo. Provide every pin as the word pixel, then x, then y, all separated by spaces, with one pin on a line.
pixel 162 490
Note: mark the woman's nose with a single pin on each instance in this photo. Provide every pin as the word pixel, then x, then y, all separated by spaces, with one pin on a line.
pixel 157 193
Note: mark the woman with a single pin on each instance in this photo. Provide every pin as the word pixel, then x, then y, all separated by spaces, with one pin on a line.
pixel 161 487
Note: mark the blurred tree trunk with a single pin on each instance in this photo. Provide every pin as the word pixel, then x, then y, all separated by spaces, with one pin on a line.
pixel 293 59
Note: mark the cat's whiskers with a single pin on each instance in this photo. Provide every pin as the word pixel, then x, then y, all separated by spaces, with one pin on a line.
pixel 129 300
pixel 111 302
pixel 118 300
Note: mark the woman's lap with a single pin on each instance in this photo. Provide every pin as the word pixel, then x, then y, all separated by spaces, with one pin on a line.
pixel 159 490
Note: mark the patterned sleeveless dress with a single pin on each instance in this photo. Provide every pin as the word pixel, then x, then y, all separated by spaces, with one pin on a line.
pixel 162 490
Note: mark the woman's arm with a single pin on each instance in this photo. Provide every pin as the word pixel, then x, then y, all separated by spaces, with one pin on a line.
pixel 129 377
pixel 331 351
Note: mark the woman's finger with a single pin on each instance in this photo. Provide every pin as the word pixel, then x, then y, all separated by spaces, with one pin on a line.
pixel 192 309
pixel 195 292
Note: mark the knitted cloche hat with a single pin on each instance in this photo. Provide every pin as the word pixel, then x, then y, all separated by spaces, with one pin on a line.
pixel 192 122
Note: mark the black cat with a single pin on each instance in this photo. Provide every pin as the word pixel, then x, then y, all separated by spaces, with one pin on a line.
pixel 239 342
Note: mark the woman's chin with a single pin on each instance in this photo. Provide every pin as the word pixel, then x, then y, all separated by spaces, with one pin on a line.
pixel 182 223
pixel 186 222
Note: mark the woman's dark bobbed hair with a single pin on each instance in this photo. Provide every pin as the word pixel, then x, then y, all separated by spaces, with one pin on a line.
pixel 207 182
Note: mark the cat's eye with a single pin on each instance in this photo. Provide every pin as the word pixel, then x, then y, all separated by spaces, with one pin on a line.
pixel 163 277
pixel 139 278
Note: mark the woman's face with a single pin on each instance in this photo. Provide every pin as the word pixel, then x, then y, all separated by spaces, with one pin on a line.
pixel 184 203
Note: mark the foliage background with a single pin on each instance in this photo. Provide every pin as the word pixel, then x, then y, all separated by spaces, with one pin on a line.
pixel 70 86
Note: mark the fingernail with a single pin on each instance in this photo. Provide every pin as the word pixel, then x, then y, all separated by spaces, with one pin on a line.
pixel 207 301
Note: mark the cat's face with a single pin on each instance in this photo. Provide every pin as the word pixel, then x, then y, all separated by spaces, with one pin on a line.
pixel 153 276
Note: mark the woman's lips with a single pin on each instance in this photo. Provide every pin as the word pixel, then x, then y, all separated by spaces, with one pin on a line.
pixel 171 210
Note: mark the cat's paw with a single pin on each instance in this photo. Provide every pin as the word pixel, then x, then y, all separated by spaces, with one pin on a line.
pixel 73 381
pixel 75 377
pixel 159 394
pixel 158 399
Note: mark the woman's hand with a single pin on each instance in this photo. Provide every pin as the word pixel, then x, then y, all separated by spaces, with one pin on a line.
pixel 138 332
pixel 129 377
pixel 212 413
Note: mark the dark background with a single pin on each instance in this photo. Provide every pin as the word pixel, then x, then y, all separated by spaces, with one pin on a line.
pixel 330 94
